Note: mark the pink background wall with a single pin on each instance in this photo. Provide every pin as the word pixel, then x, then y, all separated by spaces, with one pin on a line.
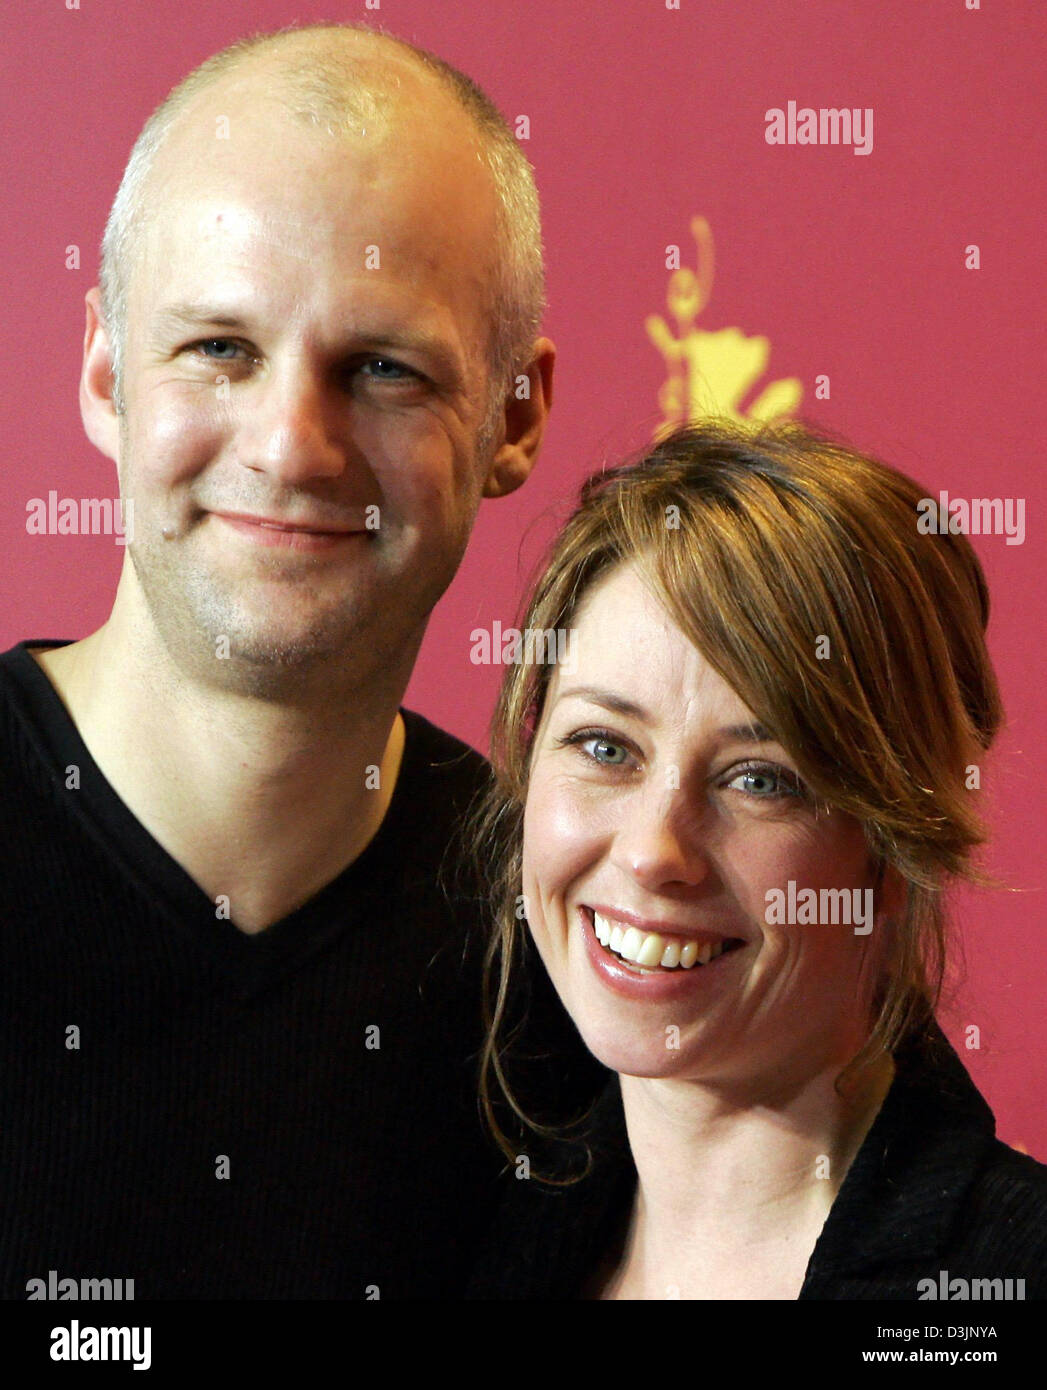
pixel 642 117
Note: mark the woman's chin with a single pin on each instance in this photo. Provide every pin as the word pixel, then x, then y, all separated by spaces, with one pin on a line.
pixel 637 1056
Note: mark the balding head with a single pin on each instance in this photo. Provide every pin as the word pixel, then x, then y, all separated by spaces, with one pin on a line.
pixel 348 81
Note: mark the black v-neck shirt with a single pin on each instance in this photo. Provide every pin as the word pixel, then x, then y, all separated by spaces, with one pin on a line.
pixel 290 1114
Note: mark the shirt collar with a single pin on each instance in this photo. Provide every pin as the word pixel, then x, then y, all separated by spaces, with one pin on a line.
pixel 904 1188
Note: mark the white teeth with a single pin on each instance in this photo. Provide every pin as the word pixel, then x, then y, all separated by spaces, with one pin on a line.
pixel 671 955
pixel 650 950
pixel 631 943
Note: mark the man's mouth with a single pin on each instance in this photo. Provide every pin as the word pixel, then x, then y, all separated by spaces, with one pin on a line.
pixel 293 535
pixel 652 950
pixel 277 524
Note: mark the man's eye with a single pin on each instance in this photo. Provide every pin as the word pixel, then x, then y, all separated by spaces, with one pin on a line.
pixel 221 349
pixel 766 781
pixel 388 369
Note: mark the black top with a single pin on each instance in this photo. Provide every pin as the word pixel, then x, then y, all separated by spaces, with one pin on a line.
pixel 931 1192
pixel 212 1114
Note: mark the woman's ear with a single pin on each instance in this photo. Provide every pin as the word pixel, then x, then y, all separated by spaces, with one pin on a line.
pixel 890 902
pixel 891 893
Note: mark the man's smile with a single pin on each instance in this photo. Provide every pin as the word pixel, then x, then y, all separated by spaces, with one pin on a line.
pixel 293 535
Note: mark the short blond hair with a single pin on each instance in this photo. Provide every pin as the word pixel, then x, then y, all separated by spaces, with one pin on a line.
pixel 332 84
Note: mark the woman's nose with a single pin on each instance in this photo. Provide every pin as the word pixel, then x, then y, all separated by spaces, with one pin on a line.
pixel 290 430
pixel 659 840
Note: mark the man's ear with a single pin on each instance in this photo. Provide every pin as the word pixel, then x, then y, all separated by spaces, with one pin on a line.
pixel 97 406
pixel 525 415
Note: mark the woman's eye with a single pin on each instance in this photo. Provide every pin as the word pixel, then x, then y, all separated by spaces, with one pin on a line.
pixel 604 751
pixel 608 752
pixel 766 782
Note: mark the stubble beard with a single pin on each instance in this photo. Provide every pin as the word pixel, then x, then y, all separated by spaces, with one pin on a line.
pixel 238 641
pixel 197 613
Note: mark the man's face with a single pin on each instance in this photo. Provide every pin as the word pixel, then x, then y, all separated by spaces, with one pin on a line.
pixel 307 335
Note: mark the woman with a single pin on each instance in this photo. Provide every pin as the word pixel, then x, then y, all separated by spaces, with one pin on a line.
pixel 728 819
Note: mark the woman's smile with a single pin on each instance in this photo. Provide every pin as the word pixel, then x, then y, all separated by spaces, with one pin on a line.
pixel 654 965
pixel 660 815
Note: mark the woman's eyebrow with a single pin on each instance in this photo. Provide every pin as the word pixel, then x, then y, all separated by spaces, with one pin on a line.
pixel 606 698
pixel 748 733
pixel 753 732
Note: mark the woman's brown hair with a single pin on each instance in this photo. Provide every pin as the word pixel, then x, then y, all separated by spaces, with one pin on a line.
pixel 797 568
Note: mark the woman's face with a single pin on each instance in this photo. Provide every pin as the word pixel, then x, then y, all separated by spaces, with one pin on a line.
pixel 654 804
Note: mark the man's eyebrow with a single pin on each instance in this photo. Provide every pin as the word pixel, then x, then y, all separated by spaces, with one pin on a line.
pixel 188 315
pixel 416 339
pixel 193 315
pixel 754 732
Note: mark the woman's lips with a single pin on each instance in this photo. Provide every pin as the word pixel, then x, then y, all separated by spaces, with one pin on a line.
pixel 650 943
pixel 656 982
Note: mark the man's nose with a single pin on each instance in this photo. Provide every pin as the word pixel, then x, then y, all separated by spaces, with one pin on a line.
pixel 661 840
pixel 293 425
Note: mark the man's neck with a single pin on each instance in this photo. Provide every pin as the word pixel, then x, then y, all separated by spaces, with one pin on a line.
pixel 262 801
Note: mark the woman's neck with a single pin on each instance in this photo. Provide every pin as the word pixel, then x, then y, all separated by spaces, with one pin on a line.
pixel 732 1195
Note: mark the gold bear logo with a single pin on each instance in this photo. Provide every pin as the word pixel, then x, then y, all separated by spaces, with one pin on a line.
pixel 712 373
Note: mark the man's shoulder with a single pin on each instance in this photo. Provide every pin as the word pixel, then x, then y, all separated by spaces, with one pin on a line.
pixel 18 652
pixel 441 782
pixel 21 675
pixel 441 765
pixel 31 711
pixel 443 751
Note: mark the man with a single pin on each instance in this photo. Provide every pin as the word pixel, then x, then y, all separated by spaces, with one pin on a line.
pixel 239 1019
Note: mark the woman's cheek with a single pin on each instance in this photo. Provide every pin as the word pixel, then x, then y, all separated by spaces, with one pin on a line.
pixel 750 866
pixel 564 832
pixel 769 856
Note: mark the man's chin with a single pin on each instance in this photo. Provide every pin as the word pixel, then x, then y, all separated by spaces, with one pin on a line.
pixel 270 665
pixel 281 649
pixel 240 635
pixel 228 648
pixel 270 626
